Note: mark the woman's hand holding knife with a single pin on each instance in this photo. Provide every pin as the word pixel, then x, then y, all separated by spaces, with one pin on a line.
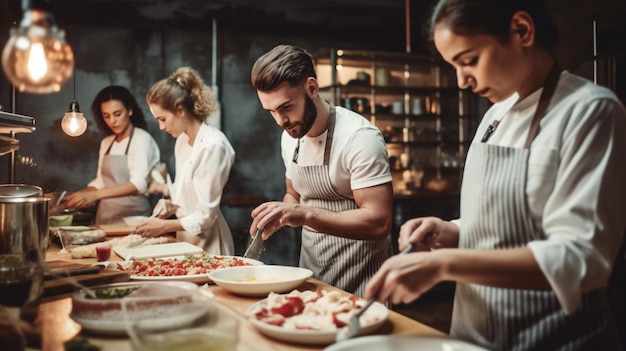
pixel 403 278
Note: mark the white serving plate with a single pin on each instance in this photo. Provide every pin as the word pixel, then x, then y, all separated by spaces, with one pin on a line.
pixel 402 343
pixel 193 278
pixel 260 280
pixel 317 337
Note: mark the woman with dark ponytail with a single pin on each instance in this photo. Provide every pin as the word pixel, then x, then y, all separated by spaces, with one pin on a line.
pixel 543 196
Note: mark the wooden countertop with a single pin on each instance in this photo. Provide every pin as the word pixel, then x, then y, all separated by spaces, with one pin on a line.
pixel 58 327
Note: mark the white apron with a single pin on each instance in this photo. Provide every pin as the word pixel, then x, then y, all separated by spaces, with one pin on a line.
pixel 495 215
pixel 344 263
pixel 114 172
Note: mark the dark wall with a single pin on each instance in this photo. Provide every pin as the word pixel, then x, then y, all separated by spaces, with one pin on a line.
pixel 136 52
pixel 137 57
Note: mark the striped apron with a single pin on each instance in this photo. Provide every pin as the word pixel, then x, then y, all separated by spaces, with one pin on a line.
pixel 495 215
pixel 344 263
pixel 114 172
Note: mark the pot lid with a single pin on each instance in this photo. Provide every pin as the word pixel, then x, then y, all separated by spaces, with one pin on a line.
pixel 8 191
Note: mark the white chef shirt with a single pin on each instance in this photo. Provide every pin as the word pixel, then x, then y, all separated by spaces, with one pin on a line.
pixel 358 154
pixel 143 155
pixel 575 182
pixel 202 171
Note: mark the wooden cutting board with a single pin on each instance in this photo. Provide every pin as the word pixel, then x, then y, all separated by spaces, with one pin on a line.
pixel 56 287
pixel 160 250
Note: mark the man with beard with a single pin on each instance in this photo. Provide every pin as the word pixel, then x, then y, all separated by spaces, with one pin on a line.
pixel 338 181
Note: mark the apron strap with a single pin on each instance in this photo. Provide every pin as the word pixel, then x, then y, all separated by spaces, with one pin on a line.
pixel 130 138
pixel 329 138
pixel 544 100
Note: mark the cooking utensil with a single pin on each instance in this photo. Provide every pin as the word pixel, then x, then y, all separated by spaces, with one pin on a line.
pixel 142 240
pixel 12 191
pixel 24 227
pixel 137 243
pixel 60 198
pixel 69 273
pixel 256 246
pixel 354 324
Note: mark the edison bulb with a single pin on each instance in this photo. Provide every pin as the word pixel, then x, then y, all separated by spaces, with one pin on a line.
pixel 74 122
pixel 36 58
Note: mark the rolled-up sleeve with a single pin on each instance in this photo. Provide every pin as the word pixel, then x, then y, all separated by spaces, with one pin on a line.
pixel 143 155
pixel 583 218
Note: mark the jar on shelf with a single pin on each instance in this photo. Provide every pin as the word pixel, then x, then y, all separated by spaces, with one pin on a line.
pixel 416 108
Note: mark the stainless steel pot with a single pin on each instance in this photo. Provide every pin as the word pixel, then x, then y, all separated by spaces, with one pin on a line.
pixel 11 191
pixel 24 227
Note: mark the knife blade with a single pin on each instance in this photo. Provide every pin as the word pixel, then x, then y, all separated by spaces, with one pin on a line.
pixel 256 246
pixel 142 240
pixel 70 273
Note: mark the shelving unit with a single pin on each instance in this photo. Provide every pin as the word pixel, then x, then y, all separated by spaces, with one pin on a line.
pixel 413 99
pixel 10 124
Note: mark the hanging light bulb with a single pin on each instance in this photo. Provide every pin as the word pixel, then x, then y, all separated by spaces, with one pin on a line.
pixel 74 122
pixel 36 58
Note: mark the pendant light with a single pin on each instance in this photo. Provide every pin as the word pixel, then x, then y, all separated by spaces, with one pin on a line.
pixel 74 122
pixel 36 58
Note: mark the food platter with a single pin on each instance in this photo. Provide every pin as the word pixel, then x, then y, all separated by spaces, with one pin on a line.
pixel 197 278
pixel 371 320
pixel 403 343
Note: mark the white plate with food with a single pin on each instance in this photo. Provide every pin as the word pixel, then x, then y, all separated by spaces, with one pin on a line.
pixel 403 343
pixel 260 280
pixel 312 317
pixel 104 314
pixel 190 268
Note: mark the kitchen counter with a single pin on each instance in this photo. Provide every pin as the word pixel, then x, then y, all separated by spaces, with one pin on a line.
pixel 58 327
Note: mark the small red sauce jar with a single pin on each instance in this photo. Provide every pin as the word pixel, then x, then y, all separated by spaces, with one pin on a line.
pixel 103 253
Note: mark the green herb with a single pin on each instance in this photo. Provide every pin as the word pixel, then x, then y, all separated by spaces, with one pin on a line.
pixel 80 344
pixel 115 293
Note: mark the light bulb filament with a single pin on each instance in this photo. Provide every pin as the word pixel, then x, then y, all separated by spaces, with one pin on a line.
pixel 37 66
pixel 74 124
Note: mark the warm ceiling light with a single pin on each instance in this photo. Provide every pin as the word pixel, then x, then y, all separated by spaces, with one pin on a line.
pixel 74 122
pixel 36 58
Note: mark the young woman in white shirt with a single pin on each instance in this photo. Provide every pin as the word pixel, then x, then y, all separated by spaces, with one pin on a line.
pixel 181 104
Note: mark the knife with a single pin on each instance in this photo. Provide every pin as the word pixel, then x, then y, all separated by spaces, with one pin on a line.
pixel 70 273
pixel 256 246
pixel 142 240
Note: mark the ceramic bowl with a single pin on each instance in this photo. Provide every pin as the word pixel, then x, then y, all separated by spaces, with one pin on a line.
pixel 260 280
pixel 151 296
pixel 133 221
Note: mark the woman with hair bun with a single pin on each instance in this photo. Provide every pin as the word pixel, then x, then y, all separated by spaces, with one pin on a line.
pixel 543 195
pixel 181 104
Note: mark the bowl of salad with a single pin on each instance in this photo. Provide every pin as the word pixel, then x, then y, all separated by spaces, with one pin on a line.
pixel 103 314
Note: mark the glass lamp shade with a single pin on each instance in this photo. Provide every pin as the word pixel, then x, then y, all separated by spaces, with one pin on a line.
pixel 74 122
pixel 36 58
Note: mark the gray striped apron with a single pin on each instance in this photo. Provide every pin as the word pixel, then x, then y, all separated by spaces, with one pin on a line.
pixel 114 172
pixel 495 215
pixel 344 263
